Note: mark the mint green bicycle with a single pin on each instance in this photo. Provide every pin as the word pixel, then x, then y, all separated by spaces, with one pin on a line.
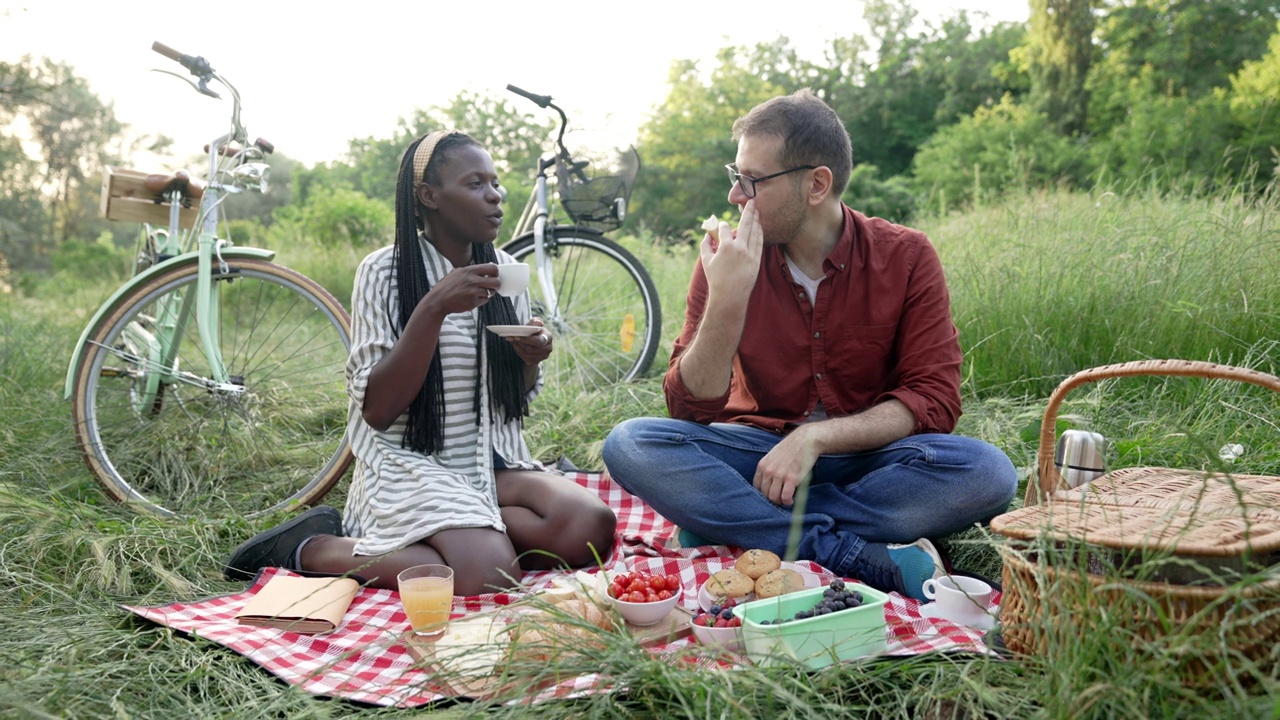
pixel 210 383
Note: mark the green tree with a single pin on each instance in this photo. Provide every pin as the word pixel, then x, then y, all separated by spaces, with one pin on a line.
pixel 1007 146
pixel 341 216
pixel 1176 47
pixel 1057 55
pixel 687 140
pixel 1255 108
pixel 514 138
pixel 74 131
pixel 1166 142
pixel 23 218
pixel 896 99
pixel 891 199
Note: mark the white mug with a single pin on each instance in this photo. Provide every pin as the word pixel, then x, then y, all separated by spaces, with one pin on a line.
pixel 959 597
pixel 513 279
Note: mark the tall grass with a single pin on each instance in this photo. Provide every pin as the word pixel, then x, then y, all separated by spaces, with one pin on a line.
pixel 1046 284
pixel 1042 286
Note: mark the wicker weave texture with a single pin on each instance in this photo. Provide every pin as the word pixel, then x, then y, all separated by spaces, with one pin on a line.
pixel 1222 521
pixel 1206 633
pixel 1194 533
pixel 1049 479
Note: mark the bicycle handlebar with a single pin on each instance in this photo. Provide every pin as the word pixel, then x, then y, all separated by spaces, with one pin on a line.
pixel 542 101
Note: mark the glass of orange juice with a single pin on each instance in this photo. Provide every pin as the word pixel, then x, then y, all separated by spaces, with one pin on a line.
pixel 426 591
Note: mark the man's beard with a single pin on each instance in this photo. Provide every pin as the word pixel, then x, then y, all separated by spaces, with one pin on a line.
pixel 784 224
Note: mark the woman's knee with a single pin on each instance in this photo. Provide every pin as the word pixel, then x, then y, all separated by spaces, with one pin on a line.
pixel 585 535
pixel 483 561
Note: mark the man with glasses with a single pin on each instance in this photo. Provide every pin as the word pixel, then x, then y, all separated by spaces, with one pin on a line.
pixel 817 376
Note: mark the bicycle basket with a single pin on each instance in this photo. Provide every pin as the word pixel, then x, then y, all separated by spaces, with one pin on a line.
pixel 598 202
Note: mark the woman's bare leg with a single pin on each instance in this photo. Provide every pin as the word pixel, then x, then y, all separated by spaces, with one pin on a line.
pixel 555 515
pixel 483 559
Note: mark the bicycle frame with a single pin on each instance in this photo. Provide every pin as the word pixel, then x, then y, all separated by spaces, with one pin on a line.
pixel 161 345
pixel 536 215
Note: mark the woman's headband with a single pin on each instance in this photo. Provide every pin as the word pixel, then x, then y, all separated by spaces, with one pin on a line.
pixel 422 155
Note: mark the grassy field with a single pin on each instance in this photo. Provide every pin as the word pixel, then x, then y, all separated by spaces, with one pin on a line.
pixel 1042 286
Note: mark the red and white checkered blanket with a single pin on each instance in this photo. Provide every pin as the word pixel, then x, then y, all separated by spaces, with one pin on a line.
pixel 363 659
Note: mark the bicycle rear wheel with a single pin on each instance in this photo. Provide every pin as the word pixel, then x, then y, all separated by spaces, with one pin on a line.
pixel 160 435
pixel 608 321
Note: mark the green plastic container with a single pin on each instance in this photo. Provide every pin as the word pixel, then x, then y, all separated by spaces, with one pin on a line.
pixel 816 642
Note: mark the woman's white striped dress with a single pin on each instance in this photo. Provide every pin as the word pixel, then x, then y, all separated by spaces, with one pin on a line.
pixel 399 496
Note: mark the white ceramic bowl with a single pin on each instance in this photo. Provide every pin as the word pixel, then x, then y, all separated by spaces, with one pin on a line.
pixel 728 639
pixel 645 613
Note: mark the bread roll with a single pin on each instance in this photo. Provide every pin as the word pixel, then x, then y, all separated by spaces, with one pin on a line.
pixel 712 226
pixel 779 582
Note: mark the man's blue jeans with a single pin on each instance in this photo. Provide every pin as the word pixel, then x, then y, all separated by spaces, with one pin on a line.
pixel 699 477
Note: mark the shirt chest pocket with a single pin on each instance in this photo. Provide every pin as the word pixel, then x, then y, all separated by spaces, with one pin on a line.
pixel 860 360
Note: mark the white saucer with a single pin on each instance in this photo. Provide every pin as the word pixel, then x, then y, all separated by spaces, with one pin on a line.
pixel 983 622
pixel 706 599
pixel 514 330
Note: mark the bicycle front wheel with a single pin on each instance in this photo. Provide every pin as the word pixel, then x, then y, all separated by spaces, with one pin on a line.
pixel 160 432
pixel 607 320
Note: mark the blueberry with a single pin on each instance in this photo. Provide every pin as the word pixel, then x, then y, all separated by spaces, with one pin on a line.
pixel 715 610
pixel 727 614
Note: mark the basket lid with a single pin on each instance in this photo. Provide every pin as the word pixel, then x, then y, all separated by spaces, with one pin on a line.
pixel 1185 512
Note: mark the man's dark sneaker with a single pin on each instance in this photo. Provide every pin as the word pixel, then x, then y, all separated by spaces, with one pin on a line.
pixel 899 568
pixel 278 547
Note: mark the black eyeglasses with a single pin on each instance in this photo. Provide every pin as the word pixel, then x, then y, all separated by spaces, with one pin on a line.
pixel 749 187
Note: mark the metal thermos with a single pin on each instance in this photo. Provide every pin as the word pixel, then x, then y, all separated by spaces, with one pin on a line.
pixel 1080 457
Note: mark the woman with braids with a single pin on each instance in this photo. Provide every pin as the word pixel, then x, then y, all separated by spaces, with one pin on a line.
pixel 442 472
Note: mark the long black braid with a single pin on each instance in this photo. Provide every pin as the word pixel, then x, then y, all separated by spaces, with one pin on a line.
pixel 424 431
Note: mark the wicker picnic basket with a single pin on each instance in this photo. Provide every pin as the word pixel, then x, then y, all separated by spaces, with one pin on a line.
pixel 1169 558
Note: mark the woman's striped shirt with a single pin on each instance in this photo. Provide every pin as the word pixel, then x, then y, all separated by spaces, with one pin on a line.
pixel 399 496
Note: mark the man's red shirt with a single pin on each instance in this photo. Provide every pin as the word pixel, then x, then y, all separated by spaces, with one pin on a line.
pixel 881 329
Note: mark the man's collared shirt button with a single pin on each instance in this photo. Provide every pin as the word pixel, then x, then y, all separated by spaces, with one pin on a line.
pixel 806 413
pixel 817 334
pixel 819 376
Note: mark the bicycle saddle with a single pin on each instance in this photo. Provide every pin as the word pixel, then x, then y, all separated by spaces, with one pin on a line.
pixel 177 181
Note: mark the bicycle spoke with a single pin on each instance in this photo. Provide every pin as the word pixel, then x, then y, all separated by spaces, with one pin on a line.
pixel 226 450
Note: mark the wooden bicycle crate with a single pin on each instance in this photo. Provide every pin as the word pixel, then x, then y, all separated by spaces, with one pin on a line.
pixel 1173 558
pixel 125 198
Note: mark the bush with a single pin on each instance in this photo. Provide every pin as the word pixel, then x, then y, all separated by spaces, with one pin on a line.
pixel 997 149
pixel 92 259
pixel 341 216
pixel 890 198
pixel 1167 143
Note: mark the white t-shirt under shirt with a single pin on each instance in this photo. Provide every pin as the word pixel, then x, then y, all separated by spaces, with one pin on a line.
pixel 811 288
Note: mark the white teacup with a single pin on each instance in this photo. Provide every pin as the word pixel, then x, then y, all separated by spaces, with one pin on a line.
pixel 959 597
pixel 514 278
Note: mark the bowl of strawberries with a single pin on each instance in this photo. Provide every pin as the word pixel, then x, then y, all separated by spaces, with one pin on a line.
pixel 717 627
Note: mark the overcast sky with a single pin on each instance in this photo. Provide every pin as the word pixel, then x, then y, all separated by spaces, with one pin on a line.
pixel 313 75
